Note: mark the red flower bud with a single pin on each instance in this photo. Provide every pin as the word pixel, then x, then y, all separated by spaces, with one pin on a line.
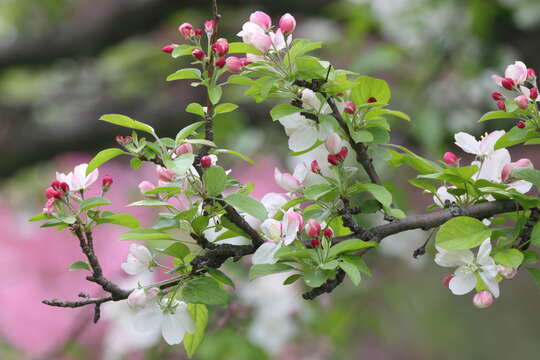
pixel 343 153
pixel 372 100
pixel 350 108
pixel 531 74
pixel 198 54
pixel 220 62
pixel 209 26
pixel 501 105
pixel 107 181
pixel 64 187
pixel 521 124
pixel 169 48
pixel 56 185
pixel 186 29
pixel 198 33
pixel 328 233
pixel 508 83
pixel 313 228
pixel 497 96
pixel 50 193
pixel 315 167
pixel 333 159
pixel 482 299
pixel 534 93
pixel 123 140
pixel 446 280
pixel 315 243
pixel 450 158
pixel 221 47
pixel 206 162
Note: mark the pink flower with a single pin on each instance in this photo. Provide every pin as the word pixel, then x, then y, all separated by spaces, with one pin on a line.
pixel 146 186
pixel 198 54
pixel 209 27
pixel 220 47
pixel 497 96
pixel 450 158
pixel 106 182
pixel 169 48
pixel 77 179
pixel 186 148
pixel 255 35
pixel 483 299
pixel 292 183
pixel 313 228
pixel 165 174
pixel 233 64
pixel 514 75
pixel 522 102
pixel 287 24
pixel 531 74
pixel 520 164
pixel 507 272
pixel 294 216
pixel 49 206
pixel 263 43
pixel 186 29
pixel 262 19
pixel 333 143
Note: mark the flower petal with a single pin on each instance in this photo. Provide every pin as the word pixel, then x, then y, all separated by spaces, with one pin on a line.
pixel 467 142
pixel 148 319
pixel 484 250
pixel 265 254
pixel 172 329
pixel 462 284
pixel 491 282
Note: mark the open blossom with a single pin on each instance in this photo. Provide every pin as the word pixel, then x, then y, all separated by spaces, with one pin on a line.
pixel 292 183
pixel 278 233
pixel 139 298
pixel 138 260
pixel 484 147
pixel 516 72
pixel 464 279
pixel 173 321
pixel 77 180
pixel 333 143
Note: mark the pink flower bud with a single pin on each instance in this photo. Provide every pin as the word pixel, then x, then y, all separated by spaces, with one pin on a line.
pixel 106 182
pixel 521 124
pixel 372 100
pixel 534 93
pixel 507 272
pixel 315 243
pixel 497 96
pixel 169 48
pixel 262 42
pixel 165 174
pixel 333 159
pixel 315 167
pixel 64 187
pixel 198 33
pixel 342 155
pixel 328 233
pixel 60 186
pixel 49 206
pixel 287 24
pixel 450 158
pixel 333 143
pixel 206 162
pixel 522 102
pixel 245 61
pixel 501 105
pixel 507 83
pixel 339 94
pixel 234 64
pixel 186 29
pixel 262 19
pixel 123 140
pixel 220 62
pixel 209 27
pixel 140 297
pixel 483 299
pixel 146 186
pixel 531 74
pixel 186 148
pixel 313 228
pixel 198 54
pixel 350 108
pixel 50 193
pixel 446 280
pixel 221 47
pixel 520 164
pixel 296 217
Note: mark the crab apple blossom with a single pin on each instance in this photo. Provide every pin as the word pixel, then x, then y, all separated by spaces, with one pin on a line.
pixel 533 93
pixel 507 272
pixel 165 174
pixel 209 27
pixel 291 182
pixel 60 186
pixel 169 48
pixel 531 74
pixel 106 183
pixel 315 243
pixel 146 186
pixel 49 206
pixel 187 30
pixel 333 159
pixel 313 228
pixel 482 299
pixel 140 297
pixel 198 33
pixel 123 140
pixel 333 143
pixel 315 167
pixel 515 74
pixel 198 54
pixel 220 62
pixel 287 24
pixel 328 233
pixel 50 193
pixel 522 102
pixel 185 148
pixel 173 321
pixel 77 180
pixel 350 108
pixel 521 124
pixel 501 105
pixel 450 158
pixel 342 154
pixel 138 260
pixel 221 47
pixel 520 164
pixel 278 233
pixel 206 162
pixel 262 19
pixel 234 64
pixel 497 96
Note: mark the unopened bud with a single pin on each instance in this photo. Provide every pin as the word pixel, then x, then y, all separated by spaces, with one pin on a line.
pixel 315 167
pixel 343 153
pixel 262 19
pixel 507 272
pixel 483 299
pixel 186 29
pixel 50 193
pixel 372 100
pixel 234 64
pixel 534 93
pixel 507 83
pixel 450 158
pixel 221 47
pixel 333 159
pixel 123 140
pixel 198 54
pixel 106 182
pixel 206 162
pixel 315 243
pixel 521 124
pixel 501 105
pixel 497 96
pixel 198 33
pixel 209 27
pixel 522 102
pixel 446 280
pixel 333 143
pixel 328 233
pixel 531 74
pixel 220 62
pixel 184 149
pixel 287 24
pixel 313 228
pixel 350 108
pixel 169 48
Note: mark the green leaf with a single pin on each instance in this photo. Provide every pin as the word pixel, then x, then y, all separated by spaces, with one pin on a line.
pixel 312 147
pixel 199 314
pixel 509 257
pixel 512 137
pixel 492 115
pixel 530 175
pixel 126 220
pixel 370 87
pixel 205 290
pixel 200 142
pixel 358 262
pixel 195 108
pixel 40 217
pixel 241 47
pixel 181 164
pixel 379 192
pixel 102 157
pixel 314 278
pixel 151 203
pixel 315 192
pixel 220 276
pixel 267 269
pixel 145 234
pixel 292 279
pixel 293 251
pixel 225 108
pixel 126 121
pixel 302 46
pixel 214 93
pixel 418 163
pixel 135 163
pixel 530 257
pixel 188 73
pixel 248 205
pixel 535 273
pixel 462 233
pixel 282 110
pixel 352 272
pixel 535 235
pixel 188 130
pixel 349 246
pixel 92 203
pixel 239 154
pixel 177 250
pixel 182 50
pixel 79 265
pixel 214 180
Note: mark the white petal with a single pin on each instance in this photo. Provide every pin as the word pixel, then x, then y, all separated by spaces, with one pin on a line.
pixel 172 329
pixel 300 171
pixel 487 144
pixel 467 142
pixel 265 254
pixel 491 282
pixel 273 202
pixel 462 284
pixel 133 268
pixel 141 253
pixel 447 258
pixel 483 253
pixel 491 168
pixel 521 186
pixel 148 319
pixel 303 138
pixel 184 317
pixel 272 229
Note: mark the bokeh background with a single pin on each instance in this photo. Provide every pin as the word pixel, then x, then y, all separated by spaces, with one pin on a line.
pixel 63 63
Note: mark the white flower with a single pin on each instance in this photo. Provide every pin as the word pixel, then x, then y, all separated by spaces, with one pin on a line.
pixel 482 148
pixel 77 179
pixel 279 233
pixel 138 260
pixel 443 195
pixel 140 297
pixel 468 267
pixel 173 321
pixel 292 183
pixel 302 132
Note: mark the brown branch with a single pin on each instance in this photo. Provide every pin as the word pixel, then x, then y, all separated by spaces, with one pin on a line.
pixel 523 241
pixel 327 287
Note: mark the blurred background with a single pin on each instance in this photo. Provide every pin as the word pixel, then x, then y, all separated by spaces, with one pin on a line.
pixel 63 63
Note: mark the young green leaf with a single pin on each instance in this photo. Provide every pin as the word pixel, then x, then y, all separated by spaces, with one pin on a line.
pixel 199 314
pixel 462 233
pixel 238 154
pixel 205 290
pixel 195 108
pixel 220 276
pixel 182 50
pixel 79 265
pixel 225 108
pixel 214 93
pixel 177 250
pixel 126 121
pixel 282 110
pixel 126 220
pixel 214 180
pixel 90 203
pixel 102 157
pixel 352 272
pixel 530 175
pixel 314 278
pixel 144 234
pixel 188 73
pixel 242 47
pixel 369 87
pixel 496 115
pixel 187 131
pixel 317 191
pixel 248 205
pixel 379 192
pixel 511 258
pixel 349 246
pixel 267 269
